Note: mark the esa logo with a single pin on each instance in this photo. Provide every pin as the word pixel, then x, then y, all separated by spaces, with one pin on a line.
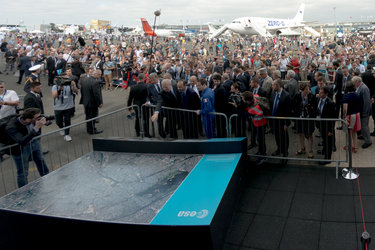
pixel 200 215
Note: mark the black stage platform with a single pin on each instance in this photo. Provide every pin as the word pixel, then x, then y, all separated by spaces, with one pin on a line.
pixel 130 193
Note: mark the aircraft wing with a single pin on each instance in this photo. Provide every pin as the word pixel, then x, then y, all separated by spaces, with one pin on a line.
pixel 219 32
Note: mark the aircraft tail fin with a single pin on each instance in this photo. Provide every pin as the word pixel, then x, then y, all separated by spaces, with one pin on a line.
pixel 299 16
pixel 147 28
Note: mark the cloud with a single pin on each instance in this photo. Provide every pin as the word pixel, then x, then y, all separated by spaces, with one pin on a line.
pixel 128 13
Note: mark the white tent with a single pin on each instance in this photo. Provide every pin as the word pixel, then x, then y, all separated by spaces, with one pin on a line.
pixel 36 32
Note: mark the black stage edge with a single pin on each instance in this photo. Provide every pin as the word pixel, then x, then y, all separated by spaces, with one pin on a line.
pixel 214 146
pixel 19 230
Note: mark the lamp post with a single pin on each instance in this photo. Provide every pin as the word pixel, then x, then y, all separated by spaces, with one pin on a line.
pixel 156 13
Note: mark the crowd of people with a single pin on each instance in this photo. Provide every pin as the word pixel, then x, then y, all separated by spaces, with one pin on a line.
pixel 253 78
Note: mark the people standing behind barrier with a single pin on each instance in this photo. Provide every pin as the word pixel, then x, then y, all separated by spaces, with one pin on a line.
pixel 91 98
pixel 265 81
pixel 238 123
pixel 8 101
pixel 291 86
pixel 364 108
pixel 221 105
pixel 280 102
pixel 326 109
pixel 282 65
pixel 351 104
pixel 295 65
pixel 189 120
pixel 153 90
pixel 305 63
pixel 207 107
pixel 169 98
pixel 259 122
pixel 108 67
pixel 138 96
pixel 305 106
pixel 22 129
pixel 339 88
pixel 63 93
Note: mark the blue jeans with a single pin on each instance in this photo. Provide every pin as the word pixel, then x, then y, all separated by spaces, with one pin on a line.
pixel 34 150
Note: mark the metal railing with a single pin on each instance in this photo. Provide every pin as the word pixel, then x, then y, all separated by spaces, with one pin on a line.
pixel 60 152
pixel 173 120
pixel 272 141
pixel 186 124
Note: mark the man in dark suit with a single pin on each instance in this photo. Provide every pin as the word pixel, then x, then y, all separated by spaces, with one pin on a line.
pixel 256 89
pixel 91 98
pixel 190 101
pixel 326 109
pixel 153 90
pixel 239 77
pixel 338 83
pixel 221 106
pixel 33 98
pixel 23 65
pixel 138 96
pixel 280 102
pixel 168 98
pixel 369 79
pixel 51 62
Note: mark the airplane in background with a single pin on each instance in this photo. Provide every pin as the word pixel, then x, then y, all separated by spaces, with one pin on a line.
pixel 267 26
pixel 160 32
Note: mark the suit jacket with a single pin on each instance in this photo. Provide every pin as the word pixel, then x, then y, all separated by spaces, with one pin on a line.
pixel 167 99
pixel 18 133
pixel 329 111
pixel 292 88
pixel 152 94
pixel 261 92
pixel 51 64
pixel 284 105
pixel 365 104
pixel 221 99
pixel 138 94
pixel 267 85
pixel 338 82
pixel 91 94
pixel 190 100
pixel 369 79
pixel 24 63
pixel 31 101
pixel 242 79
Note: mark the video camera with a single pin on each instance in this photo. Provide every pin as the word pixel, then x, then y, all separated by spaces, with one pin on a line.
pixel 64 81
pixel 49 118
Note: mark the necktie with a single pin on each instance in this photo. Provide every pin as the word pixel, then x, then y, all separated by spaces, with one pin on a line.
pixel 275 104
pixel 344 85
pixel 321 106
pixel 157 88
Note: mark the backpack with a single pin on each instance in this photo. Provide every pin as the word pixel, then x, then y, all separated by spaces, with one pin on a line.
pixel 264 104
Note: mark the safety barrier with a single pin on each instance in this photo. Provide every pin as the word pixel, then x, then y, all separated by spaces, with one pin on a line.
pixel 173 120
pixel 118 123
pixel 284 137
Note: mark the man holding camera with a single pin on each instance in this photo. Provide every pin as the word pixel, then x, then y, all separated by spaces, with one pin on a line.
pixel 63 94
pixel 22 129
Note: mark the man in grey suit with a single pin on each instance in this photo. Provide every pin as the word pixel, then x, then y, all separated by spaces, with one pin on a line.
pixel 265 81
pixel 365 109
pixel 91 98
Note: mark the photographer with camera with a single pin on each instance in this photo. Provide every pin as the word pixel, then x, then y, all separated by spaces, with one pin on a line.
pixel 22 129
pixel 63 93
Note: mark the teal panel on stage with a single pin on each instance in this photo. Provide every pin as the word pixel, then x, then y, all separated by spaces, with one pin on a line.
pixel 197 198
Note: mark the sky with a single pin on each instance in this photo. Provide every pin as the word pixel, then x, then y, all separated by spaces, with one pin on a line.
pixel 128 13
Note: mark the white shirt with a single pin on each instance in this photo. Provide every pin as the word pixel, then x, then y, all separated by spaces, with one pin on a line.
pixel 8 96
